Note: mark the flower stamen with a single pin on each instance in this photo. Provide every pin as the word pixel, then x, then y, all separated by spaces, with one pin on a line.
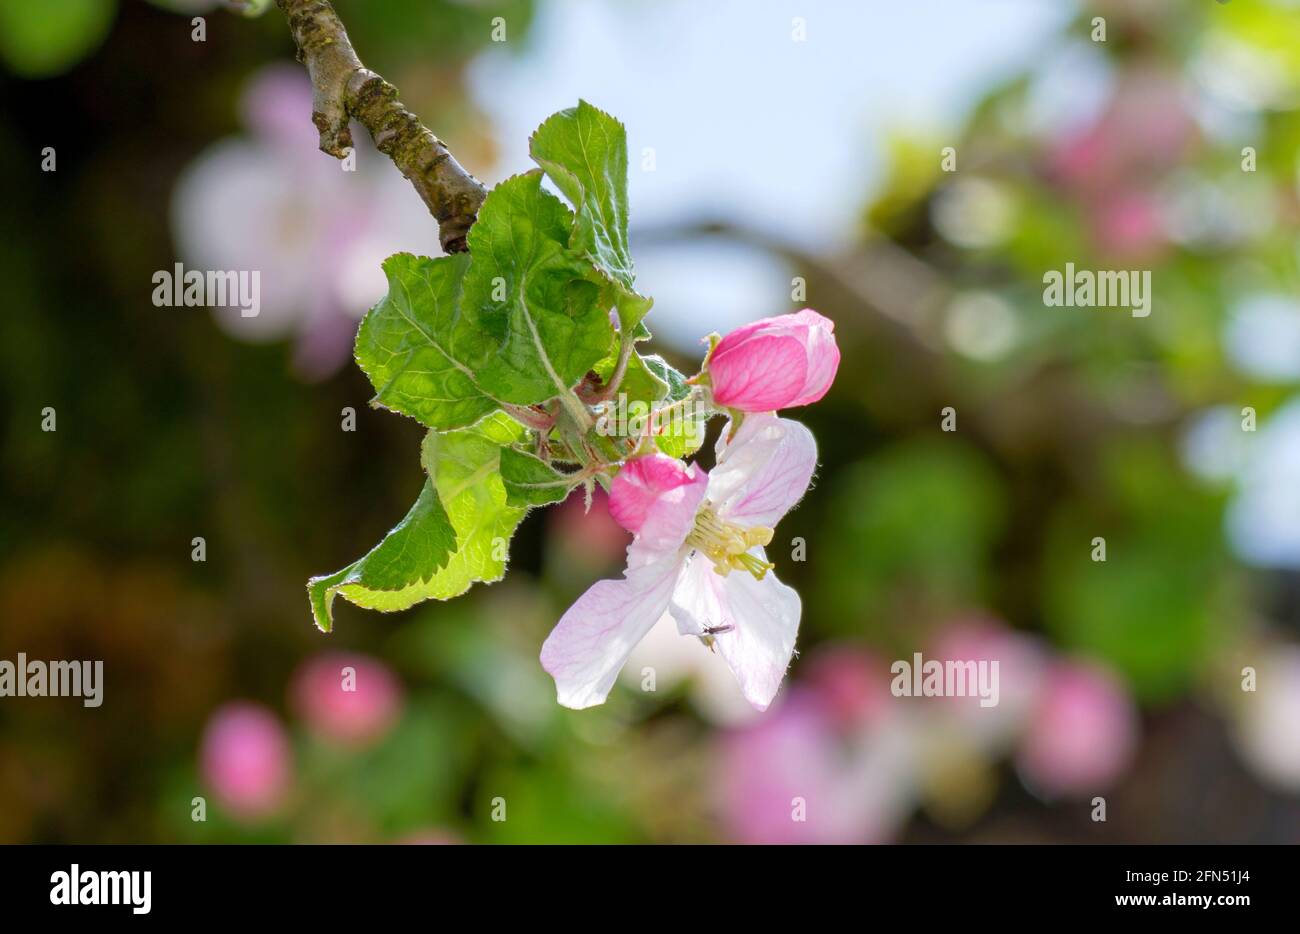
pixel 727 545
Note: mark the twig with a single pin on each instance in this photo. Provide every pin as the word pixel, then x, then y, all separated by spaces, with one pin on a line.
pixel 530 416
pixel 345 89
pixel 626 346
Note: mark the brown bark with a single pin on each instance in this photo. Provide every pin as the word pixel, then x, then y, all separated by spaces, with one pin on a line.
pixel 344 89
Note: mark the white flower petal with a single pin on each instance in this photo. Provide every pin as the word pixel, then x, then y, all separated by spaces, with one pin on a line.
pixel 763 471
pixel 765 619
pixel 592 640
pixel 697 599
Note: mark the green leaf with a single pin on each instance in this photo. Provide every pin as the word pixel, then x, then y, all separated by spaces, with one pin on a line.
pixel 639 382
pixel 584 151
pixel 463 468
pixel 530 481
pixel 410 554
pixel 404 344
pixel 652 381
pixel 533 319
pixel 674 381
pixel 684 432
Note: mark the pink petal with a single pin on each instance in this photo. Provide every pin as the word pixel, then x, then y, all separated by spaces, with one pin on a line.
pixel 763 471
pixel 641 483
pixel 591 642
pixel 697 598
pixel 761 375
pixel 758 651
pixel 823 358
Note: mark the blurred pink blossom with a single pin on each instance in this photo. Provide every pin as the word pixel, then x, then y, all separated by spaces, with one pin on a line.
pixel 270 201
pixel 1083 733
pixel 429 837
pixel 1022 662
pixel 245 759
pixel 346 698
pixel 1146 129
pixel 852 685
pixel 1128 225
pixel 1145 132
pixel 830 763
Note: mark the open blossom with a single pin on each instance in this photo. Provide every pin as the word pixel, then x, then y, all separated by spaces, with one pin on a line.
pixel 697 555
pixel 775 363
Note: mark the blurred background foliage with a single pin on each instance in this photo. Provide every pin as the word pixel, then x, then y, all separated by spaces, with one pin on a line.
pixel 1120 678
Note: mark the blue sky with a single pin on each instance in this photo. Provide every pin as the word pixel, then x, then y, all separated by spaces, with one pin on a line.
pixel 748 124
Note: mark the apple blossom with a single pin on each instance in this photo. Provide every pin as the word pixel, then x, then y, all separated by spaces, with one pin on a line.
pixel 775 363
pixel 692 530
pixel 534 391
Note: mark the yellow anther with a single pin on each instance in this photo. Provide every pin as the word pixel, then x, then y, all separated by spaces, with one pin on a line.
pixel 727 545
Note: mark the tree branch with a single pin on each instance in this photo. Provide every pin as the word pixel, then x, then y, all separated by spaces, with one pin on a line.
pixel 345 89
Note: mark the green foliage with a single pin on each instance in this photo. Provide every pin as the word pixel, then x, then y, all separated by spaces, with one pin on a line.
pixel 477 346
pixel 530 481
pixel 404 343
pixel 417 546
pixel 918 518
pixel 532 310
pixel 454 535
pixel 584 151
pixel 639 381
pixel 1152 608
pixel 684 434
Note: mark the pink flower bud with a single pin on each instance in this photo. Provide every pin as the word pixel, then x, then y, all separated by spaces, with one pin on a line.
pixel 1083 733
pixel 245 759
pixel 346 698
pixel 775 363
